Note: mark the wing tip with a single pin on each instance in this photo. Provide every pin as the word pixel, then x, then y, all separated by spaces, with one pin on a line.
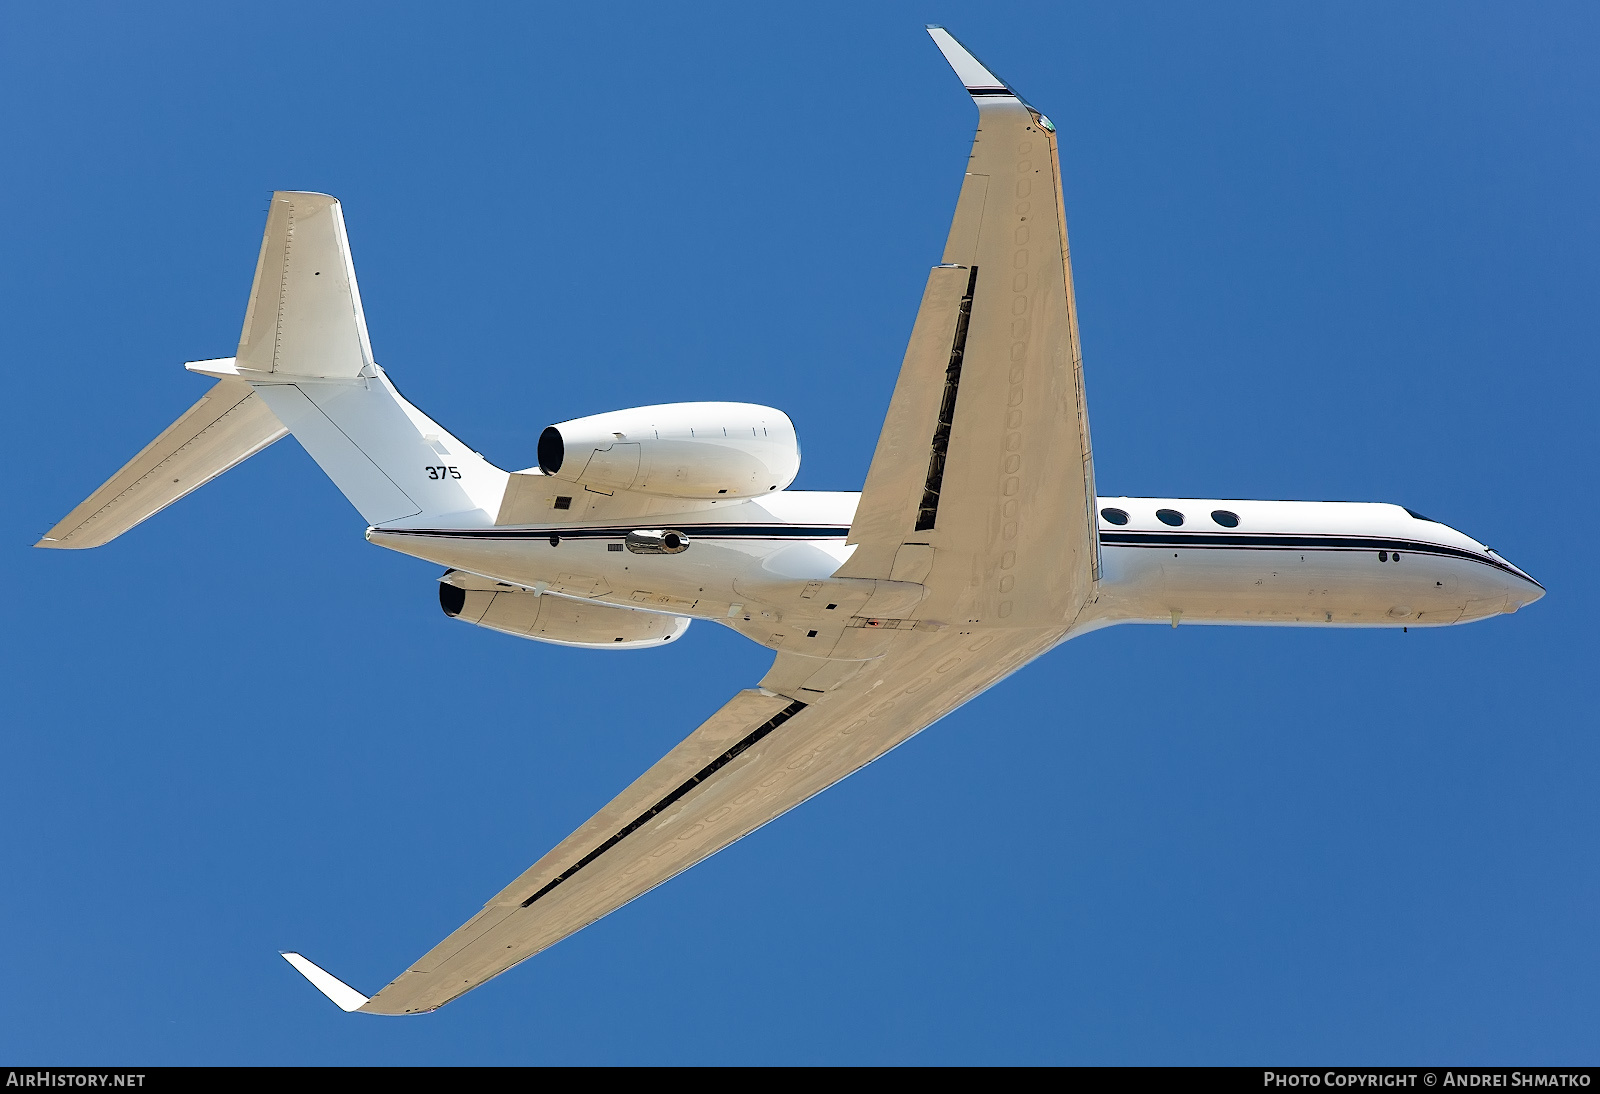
pixel 974 75
pixel 341 994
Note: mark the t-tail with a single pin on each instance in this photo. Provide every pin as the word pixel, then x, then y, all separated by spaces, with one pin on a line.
pixel 304 366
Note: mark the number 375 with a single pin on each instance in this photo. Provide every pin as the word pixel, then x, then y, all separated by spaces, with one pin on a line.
pixel 443 472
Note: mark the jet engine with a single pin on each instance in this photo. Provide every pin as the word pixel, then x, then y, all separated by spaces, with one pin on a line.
pixel 565 622
pixel 677 450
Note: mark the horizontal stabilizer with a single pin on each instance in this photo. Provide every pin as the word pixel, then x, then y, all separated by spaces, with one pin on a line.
pixel 343 995
pixel 222 430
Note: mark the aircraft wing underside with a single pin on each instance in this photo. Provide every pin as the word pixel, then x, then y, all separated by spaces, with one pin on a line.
pixel 982 484
pixel 980 491
pixel 759 756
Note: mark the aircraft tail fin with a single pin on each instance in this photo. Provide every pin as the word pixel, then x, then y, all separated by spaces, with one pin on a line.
pixel 225 428
pixel 305 350
pixel 304 366
pixel 304 318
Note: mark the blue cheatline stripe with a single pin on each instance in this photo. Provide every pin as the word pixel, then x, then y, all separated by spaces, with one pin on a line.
pixel 1238 541
pixel 1257 542
pixel 567 531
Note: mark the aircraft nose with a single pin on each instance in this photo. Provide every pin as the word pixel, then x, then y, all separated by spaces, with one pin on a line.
pixel 1524 590
pixel 1501 591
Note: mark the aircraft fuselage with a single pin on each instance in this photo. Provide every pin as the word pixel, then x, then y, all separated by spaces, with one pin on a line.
pixel 1162 560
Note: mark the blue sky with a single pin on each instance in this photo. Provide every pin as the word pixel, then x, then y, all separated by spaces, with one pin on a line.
pixel 1342 251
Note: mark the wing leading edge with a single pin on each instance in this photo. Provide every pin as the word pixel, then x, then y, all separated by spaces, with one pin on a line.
pixel 976 491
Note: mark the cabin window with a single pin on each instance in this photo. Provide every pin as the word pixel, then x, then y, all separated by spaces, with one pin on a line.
pixel 1170 516
pixel 1383 556
pixel 1225 518
pixel 1114 516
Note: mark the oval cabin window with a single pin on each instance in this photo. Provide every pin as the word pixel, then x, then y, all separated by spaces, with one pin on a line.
pixel 1114 516
pixel 1225 518
pixel 1169 516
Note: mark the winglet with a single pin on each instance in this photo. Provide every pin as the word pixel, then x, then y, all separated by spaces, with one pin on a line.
pixel 979 81
pixel 343 995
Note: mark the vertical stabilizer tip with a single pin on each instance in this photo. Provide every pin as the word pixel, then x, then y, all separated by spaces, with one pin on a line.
pixel 343 995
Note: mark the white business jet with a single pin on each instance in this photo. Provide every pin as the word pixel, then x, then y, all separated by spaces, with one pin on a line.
pixel 977 544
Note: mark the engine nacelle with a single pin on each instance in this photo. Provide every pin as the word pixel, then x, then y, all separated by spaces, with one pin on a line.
pixel 557 619
pixel 677 450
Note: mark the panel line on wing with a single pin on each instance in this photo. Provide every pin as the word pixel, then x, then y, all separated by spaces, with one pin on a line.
pixel 928 512
pixel 700 776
